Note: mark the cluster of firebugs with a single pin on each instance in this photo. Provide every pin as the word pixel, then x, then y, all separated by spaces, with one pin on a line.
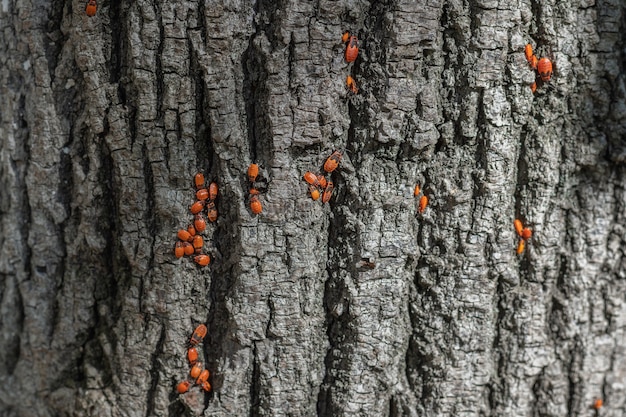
pixel 190 240
pixel 318 184
pixel 197 373
pixel 255 180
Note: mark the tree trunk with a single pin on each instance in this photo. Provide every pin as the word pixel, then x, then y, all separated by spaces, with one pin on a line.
pixel 359 307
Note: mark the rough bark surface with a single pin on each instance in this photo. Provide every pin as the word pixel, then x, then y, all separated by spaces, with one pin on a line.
pixel 104 121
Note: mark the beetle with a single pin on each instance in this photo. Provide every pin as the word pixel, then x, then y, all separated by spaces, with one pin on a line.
pixel 423 204
pixel 199 223
pixel 598 403
pixel 184 235
pixel 202 260
pixel 198 179
pixel 544 67
pixel 517 223
pixel 202 194
pixel 192 355
pixel 213 191
pixel 352 49
pixel 314 191
pixel 530 56
pixel 351 84
pixel 528 51
pixel 196 370
pixel 197 243
pixel 253 172
pixel 196 207
pixel 188 248
pixel 179 251
pixel 183 387
pixel 328 192
pixel 211 212
pixel 311 178
pixel 91 7
pixel 255 205
pixel 332 162
pixel 322 181
pixel 520 246
pixel 198 335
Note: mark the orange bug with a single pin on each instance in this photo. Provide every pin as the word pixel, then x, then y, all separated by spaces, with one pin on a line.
pixel 416 190
pixel 198 335
pixel 328 192
pixel 179 251
pixel 311 178
pixel 213 191
pixel 188 248
pixel 253 172
pixel 322 181
pixel 530 56
pixel 199 223
pixel 211 212
pixel 198 179
pixel 597 404
pixel 196 370
pixel 332 162
pixel 204 375
pixel 191 230
pixel 345 37
pixel 423 204
pixel 202 194
pixel 533 87
pixel 184 235
pixel 520 246
pixel 255 205
pixel 206 386
pixel 351 84
pixel 183 387
pixel 196 207
pixel 518 227
pixel 528 51
pixel 254 191
pixel 352 49
pixel 192 355
pixel 202 260
pixel 197 243
pixel 527 233
pixel 544 67
pixel 315 193
pixel 91 7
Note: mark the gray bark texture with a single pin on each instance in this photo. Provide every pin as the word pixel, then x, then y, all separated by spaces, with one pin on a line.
pixel 359 307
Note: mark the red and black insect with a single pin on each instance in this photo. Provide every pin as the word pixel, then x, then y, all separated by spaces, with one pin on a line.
pixel 91 8
pixel 352 48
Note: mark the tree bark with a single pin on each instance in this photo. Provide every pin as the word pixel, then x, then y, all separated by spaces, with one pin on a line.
pixel 359 307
